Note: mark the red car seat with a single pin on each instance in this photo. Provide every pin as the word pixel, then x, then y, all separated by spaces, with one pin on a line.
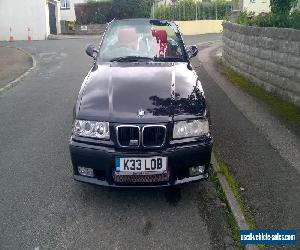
pixel 161 38
pixel 128 38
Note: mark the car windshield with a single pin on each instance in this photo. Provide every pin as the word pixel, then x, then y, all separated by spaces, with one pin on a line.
pixel 136 40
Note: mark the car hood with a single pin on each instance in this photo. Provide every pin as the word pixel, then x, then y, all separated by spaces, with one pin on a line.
pixel 116 92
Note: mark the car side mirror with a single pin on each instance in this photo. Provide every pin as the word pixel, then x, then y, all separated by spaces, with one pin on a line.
pixel 91 51
pixel 192 51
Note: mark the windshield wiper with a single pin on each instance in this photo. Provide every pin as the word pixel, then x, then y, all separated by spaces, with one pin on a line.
pixel 169 59
pixel 131 59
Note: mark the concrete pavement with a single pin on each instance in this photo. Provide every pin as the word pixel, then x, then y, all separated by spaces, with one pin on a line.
pixel 261 153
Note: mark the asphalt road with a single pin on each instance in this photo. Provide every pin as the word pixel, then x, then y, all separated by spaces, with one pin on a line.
pixel 40 204
pixel 13 63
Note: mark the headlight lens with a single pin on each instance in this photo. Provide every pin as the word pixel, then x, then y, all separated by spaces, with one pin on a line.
pixel 185 129
pixel 91 129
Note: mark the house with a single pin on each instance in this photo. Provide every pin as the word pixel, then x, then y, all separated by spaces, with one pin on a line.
pixel 256 6
pixel 167 2
pixel 67 10
pixel 34 19
pixel 164 2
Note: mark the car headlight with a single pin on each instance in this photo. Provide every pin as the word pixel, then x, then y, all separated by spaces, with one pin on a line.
pixel 91 129
pixel 192 128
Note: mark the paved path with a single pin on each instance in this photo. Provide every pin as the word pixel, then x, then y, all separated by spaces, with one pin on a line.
pixel 41 205
pixel 13 63
pixel 259 150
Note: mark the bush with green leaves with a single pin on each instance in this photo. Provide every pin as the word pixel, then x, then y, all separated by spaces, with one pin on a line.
pixel 282 7
pixel 279 16
pixel 185 10
pixel 93 12
pixel 243 18
pixel 295 18
pixel 71 25
pixel 104 11
pixel 132 8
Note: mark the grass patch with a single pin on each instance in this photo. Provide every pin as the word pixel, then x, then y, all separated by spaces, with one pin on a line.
pixel 234 187
pixel 284 109
pixel 235 232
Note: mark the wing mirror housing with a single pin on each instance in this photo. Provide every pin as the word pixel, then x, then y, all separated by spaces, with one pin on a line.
pixel 192 51
pixel 91 51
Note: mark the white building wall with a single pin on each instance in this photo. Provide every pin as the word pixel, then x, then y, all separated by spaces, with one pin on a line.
pixel 167 2
pixel 69 14
pixel 164 2
pixel 58 17
pixel 257 6
pixel 21 15
pixel 47 26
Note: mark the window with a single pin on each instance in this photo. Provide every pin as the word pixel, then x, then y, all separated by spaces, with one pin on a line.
pixel 140 38
pixel 65 4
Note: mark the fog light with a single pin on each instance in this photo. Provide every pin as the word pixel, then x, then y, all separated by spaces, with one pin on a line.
pixel 196 170
pixel 86 171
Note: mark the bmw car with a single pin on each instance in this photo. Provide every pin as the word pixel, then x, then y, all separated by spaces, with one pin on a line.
pixel 140 119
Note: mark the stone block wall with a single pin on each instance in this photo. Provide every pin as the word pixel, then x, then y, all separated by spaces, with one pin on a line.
pixel 269 57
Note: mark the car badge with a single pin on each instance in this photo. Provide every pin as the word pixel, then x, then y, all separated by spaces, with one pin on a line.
pixel 133 142
pixel 141 113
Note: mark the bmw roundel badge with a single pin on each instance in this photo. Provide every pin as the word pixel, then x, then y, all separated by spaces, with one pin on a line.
pixel 141 113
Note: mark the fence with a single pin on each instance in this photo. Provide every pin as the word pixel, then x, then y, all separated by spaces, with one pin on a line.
pixel 192 10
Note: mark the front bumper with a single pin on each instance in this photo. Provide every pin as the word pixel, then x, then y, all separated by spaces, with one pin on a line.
pixel 102 160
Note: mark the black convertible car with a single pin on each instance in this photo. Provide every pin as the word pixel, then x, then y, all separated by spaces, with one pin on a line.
pixel 140 118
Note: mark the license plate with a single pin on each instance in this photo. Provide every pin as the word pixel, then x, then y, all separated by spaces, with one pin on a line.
pixel 136 165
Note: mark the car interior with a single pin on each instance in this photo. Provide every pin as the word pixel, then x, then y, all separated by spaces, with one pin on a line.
pixel 156 42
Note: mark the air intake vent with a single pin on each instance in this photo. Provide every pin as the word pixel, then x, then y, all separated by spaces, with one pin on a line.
pixel 128 135
pixel 154 135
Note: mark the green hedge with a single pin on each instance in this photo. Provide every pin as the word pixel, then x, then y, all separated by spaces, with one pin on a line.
pixel 281 16
pixel 131 8
pixel 185 10
pixel 102 12
pixel 271 20
pixel 93 12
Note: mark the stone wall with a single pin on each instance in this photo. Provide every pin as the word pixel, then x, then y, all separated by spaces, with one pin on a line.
pixel 269 57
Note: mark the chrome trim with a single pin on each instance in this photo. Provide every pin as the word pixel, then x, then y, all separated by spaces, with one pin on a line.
pixel 164 141
pixel 126 126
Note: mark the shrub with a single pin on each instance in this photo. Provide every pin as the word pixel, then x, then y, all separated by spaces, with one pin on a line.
pixel 104 11
pixel 271 20
pixel 243 18
pixel 185 10
pixel 279 16
pixel 132 8
pixel 71 25
pixel 282 7
pixel 295 19
pixel 93 12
